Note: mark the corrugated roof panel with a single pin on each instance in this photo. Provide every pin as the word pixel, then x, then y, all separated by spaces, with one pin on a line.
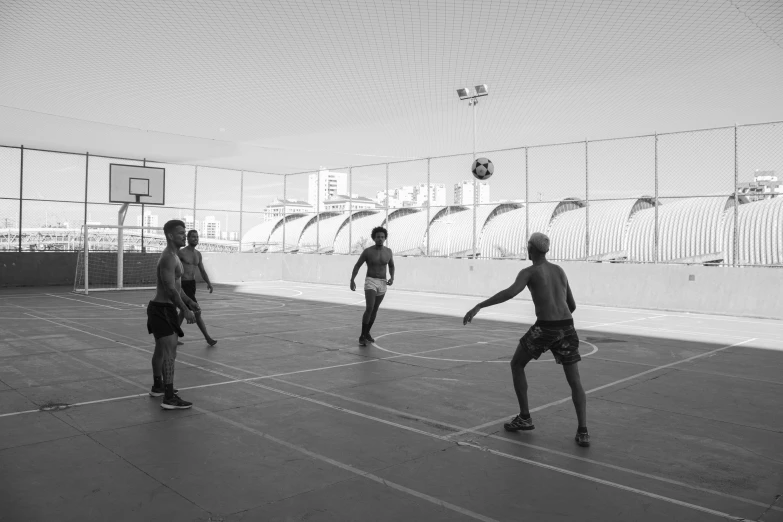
pixel 407 230
pixel 451 230
pixel 760 233
pixel 294 226
pixel 259 234
pixel 608 223
pixel 361 226
pixel 321 232
pixel 504 235
pixel 686 228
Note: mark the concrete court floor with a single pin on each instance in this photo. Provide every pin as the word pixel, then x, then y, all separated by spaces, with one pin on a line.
pixel 292 420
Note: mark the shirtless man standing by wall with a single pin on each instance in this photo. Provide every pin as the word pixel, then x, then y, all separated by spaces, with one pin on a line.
pixel 554 330
pixel 191 260
pixel 162 320
pixel 376 257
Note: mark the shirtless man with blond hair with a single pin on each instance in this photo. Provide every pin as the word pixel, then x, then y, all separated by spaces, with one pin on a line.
pixel 162 319
pixel 554 330
pixel 191 260
pixel 376 257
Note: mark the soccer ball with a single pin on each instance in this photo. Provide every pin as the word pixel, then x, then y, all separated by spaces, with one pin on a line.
pixel 482 168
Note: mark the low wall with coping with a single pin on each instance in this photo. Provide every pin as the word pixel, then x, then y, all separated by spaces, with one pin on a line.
pixel 748 292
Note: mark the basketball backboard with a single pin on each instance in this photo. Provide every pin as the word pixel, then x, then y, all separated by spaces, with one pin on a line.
pixel 135 184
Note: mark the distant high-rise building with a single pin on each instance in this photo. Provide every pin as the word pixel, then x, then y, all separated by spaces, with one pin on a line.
pixel 211 228
pixel 340 202
pixel 463 192
pixel 150 220
pixel 291 206
pixel 413 196
pixel 436 195
pixel 191 224
pixel 325 185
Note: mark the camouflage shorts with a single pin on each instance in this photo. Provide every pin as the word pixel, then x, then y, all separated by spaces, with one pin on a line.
pixel 558 336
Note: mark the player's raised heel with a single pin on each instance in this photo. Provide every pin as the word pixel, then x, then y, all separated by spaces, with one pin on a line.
pixel 159 391
pixel 368 338
pixel 583 439
pixel 175 403
pixel 519 424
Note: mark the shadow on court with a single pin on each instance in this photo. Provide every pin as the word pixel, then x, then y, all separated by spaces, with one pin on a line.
pixel 292 420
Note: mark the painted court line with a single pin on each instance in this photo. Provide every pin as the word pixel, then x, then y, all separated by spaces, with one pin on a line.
pixel 620 381
pixel 300 449
pixel 408 428
pixel 83 301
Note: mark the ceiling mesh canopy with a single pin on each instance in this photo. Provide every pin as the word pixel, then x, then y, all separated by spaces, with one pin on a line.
pixel 306 83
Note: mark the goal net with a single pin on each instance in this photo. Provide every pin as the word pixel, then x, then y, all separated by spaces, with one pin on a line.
pixel 118 258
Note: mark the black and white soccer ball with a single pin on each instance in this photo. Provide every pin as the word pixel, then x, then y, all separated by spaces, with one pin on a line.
pixel 482 168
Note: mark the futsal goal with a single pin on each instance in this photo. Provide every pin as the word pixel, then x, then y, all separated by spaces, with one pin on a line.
pixel 113 257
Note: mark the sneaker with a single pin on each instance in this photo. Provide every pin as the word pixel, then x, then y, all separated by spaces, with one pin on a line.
pixel 369 339
pixel 583 439
pixel 519 424
pixel 159 391
pixel 175 403
pixel 362 341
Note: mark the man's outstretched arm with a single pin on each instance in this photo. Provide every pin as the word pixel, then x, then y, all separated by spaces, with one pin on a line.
pixel 501 297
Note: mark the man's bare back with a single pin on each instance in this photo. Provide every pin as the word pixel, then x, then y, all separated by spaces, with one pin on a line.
pixel 550 291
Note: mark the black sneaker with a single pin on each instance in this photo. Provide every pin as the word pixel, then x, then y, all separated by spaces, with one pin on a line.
pixel 362 341
pixel 369 339
pixel 519 424
pixel 583 439
pixel 159 391
pixel 175 403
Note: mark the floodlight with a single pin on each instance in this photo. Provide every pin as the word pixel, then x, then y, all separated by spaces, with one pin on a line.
pixel 463 93
pixel 481 90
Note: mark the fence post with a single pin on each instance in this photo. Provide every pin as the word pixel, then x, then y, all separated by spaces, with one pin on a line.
pixel 285 200
pixel 350 210
pixel 241 205
pixel 195 192
pixel 527 205
pixel 735 257
pixel 587 205
pixel 655 242
pixel 428 207
pixel 21 193
pixel 86 186
pixel 318 213
pixel 386 221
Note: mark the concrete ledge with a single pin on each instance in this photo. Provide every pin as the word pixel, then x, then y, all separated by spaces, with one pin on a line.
pixel 743 292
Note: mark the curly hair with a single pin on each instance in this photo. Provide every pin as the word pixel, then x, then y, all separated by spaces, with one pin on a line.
pixel 379 229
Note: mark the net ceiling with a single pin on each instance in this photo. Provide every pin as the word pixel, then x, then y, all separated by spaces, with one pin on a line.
pixel 347 82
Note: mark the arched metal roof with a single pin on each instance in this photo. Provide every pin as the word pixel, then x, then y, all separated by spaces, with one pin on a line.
pixel 362 223
pixel 407 230
pixel 257 238
pixel 608 226
pixel 504 235
pixel 320 231
pixel 451 229
pixel 686 228
pixel 294 225
pixel 759 233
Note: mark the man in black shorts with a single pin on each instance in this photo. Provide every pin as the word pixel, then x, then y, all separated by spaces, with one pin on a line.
pixel 191 260
pixel 375 283
pixel 162 319
pixel 554 330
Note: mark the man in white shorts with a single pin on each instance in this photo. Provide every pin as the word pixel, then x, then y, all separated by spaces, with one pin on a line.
pixel 376 257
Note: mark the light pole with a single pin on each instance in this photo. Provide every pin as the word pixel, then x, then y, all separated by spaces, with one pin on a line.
pixel 465 94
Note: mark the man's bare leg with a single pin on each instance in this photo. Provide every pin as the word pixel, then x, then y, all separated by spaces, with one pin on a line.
pixel 577 393
pixel 521 422
pixel 373 313
pixel 157 370
pixel 171 400
pixel 369 297
pixel 203 328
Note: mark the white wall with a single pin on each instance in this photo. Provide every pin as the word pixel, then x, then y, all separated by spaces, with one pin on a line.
pixel 746 292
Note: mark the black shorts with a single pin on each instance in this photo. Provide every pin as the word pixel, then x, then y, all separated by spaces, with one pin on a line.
pixel 559 337
pixel 189 288
pixel 162 320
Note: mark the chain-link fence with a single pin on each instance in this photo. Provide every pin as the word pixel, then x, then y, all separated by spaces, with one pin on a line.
pixel 711 196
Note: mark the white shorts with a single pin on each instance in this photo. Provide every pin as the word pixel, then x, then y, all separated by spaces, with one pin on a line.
pixel 373 283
